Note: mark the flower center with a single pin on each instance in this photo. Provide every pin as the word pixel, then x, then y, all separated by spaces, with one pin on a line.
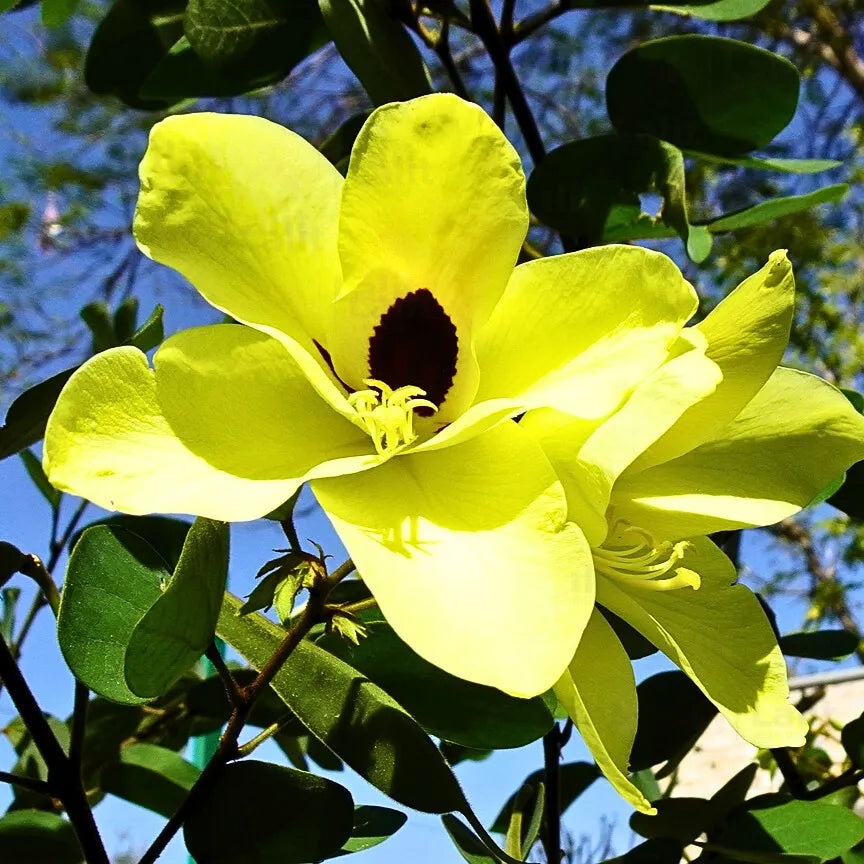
pixel 415 344
pixel 388 414
pixel 642 564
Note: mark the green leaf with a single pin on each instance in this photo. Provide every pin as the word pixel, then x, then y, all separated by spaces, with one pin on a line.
pixel 377 49
pixel 703 93
pixel 57 12
pixel 820 644
pixel 112 579
pixel 666 734
pixel 8 603
pixel 776 208
pixel 721 10
pixel 152 777
pixel 253 43
pixel 337 147
pixel 470 846
pixel 796 827
pixel 372 825
pixel 149 334
pixel 109 725
pixel 590 189
pixel 258 813
pixel 124 322
pixel 164 533
pixel 178 628
pixel 788 166
pixel 30 762
pixel 355 718
pixel 98 320
pixel 127 46
pixel 28 836
pixel 40 481
pixel 13 217
pixel 573 779
pixel 852 738
pixel 849 498
pixel 28 414
pixel 448 707
pixel 682 819
pixel 856 398
pixel 662 850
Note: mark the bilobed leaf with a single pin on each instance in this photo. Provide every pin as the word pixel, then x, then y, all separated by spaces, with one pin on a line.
pixel 28 836
pixel 13 217
pixel 176 630
pixel 112 579
pixel 372 825
pixel 446 706
pixel 255 42
pixel 164 533
pixel 703 93
pixel 150 776
pixel 30 762
pixel 767 211
pixel 98 320
pixel 377 49
pixel 657 850
pixel 109 725
pixel 811 828
pixel 721 10
pixel 150 333
pixel 590 189
pixel 573 779
pixel 355 718
pixel 820 644
pixel 259 813
pixel 337 147
pixel 127 46
pixel 673 713
pixel 40 481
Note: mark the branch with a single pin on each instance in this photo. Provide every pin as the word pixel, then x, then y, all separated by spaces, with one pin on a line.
pixel 227 749
pixel 487 30
pixel 64 782
pixel 551 832
pixel 840 51
pixel 40 787
pixel 799 535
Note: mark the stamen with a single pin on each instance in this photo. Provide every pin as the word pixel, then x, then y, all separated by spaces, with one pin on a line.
pixel 388 414
pixel 644 564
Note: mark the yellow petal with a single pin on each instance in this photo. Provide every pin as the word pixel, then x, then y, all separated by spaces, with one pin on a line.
pixel 589 456
pixel 228 427
pixel 248 212
pixel 434 200
pixel 746 336
pixel 469 555
pixel 720 637
pixel 598 691
pixel 578 332
pixel 796 436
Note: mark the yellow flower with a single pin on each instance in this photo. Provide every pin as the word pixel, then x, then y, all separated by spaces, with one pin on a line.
pixel 388 344
pixel 671 466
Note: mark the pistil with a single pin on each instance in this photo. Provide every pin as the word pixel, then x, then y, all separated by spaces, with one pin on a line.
pixel 388 414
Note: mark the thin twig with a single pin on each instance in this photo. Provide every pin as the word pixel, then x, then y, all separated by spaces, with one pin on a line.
pixel 79 727
pixel 445 56
pixel 64 782
pixel 32 784
pixel 794 782
pixel 214 655
pixel 227 749
pixel 487 30
pixel 550 834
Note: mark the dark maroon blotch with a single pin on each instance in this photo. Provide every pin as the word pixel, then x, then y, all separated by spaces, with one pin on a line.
pixel 415 343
